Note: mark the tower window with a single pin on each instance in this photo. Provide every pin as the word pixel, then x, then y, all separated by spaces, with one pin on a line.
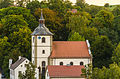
pixel 33 39
pixel 61 63
pixel 43 51
pixel 39 37
pixel 43 63
pixel 43 40
pixel 71 63
pixel 81 63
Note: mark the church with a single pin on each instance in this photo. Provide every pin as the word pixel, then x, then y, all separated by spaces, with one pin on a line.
pixel 57 59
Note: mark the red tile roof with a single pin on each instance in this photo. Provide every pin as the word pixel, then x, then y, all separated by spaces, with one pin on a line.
pixel 70 49
pixel 65 71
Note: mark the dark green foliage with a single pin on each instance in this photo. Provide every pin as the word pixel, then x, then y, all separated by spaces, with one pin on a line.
pixel 33 6
pixel 106 5
pixel 5 3
pixel 102 51
pixel 27 16
pixel 116 54
pixel 116 11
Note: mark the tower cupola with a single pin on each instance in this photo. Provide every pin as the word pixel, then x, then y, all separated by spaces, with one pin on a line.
pixel 41 20
pixel 41 29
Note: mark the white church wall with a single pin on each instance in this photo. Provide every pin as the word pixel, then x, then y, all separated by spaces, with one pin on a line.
pixel 39 41
pixel 76 61
pixel 39 61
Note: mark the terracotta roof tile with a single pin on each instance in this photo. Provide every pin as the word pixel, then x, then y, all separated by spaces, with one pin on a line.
pixel 75 49
pixel 65 71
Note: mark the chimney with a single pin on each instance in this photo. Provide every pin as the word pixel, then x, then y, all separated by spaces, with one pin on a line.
pixel 19 57
pixel 10 63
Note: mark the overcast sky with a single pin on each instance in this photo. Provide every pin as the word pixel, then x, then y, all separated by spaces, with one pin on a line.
pixel 100 2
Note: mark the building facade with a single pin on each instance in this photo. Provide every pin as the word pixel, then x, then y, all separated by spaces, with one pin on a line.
pixel 47 52
pixel 19 67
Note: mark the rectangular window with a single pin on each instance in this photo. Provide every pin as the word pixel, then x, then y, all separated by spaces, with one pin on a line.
pixel 33 39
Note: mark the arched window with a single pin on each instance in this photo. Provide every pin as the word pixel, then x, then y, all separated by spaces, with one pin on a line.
pixel 71 63
pixel 61 63
pixel 43 51
pixel 81 63
pixel 43 63
pixel 43 39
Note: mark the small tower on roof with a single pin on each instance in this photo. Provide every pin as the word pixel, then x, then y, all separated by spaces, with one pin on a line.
pixel 41 20
pixel 41 45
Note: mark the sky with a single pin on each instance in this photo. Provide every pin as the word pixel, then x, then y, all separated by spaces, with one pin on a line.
pixel 100 2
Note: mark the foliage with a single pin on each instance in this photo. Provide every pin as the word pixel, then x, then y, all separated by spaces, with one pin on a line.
pixel 27 16
pixel 102 51
pixel 76 37
pixel 106 5
pixel 33 6
pixel 5 3
pixel 103 19
pixel 116 54
pixel 90 33
pixel 81 3
pixel 113 72
pixel 116 11
pixel 87 72
pixel 93 10
pixel 77 22
pixel 12 24
pixel 116 24
pixel 22 40
pixel 29 73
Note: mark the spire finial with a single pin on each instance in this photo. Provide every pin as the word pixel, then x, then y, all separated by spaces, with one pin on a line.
pixel 41 20
pixel 41 15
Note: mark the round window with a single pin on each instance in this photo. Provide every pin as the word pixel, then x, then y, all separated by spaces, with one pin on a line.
pixel 39 37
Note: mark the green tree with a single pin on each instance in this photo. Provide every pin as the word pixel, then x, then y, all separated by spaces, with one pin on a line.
pixel 27 16
pixel 77 22
pixel 33 6
pixel 116 24
pixel 5 3
pixel 21 39
pixel 110 33
pixel 90 33
pixel 29 73
pixel 116 54
pixel 76 37
pixel 12 23
pixel 93 10
pixel 103 19
pixel 102 51
pixel 116 11
pixel 81 3
pixel 113 72
pixel 106 5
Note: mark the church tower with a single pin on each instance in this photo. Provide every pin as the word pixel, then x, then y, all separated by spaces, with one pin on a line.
pixel 41 45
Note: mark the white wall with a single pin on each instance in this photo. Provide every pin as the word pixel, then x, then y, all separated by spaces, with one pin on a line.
pixel 0 75
pixel 21 68
pixel 76 61
pixel 39 49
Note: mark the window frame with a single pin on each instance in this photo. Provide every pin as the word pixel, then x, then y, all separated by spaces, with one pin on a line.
pixel 61 63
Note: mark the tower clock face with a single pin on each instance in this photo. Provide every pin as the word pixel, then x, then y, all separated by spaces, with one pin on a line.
pixel 39 37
